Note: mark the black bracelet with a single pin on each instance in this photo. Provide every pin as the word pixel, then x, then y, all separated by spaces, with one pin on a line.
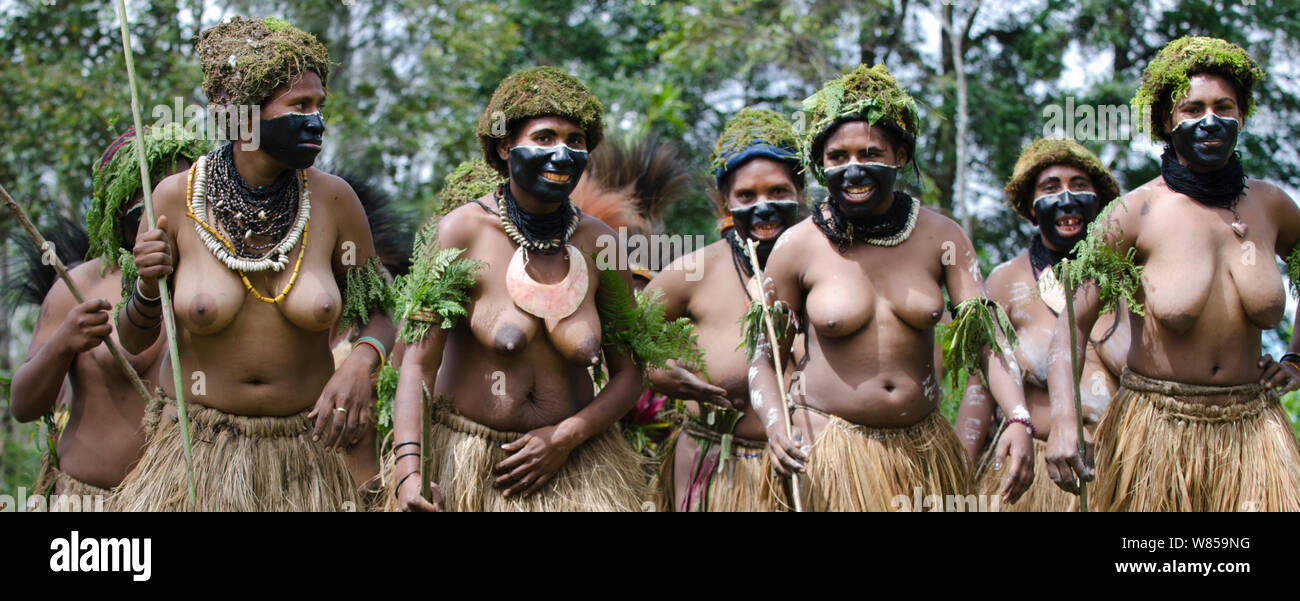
pixel 141 299
pixel 399 484
pixel 402 444
pixel 127 310
pixel 1291 358
pixel 412 453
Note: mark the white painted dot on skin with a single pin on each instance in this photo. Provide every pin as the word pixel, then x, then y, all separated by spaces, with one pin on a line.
pixel 771 417
pixel 781 240
pixel 756 398
pixel 1020 412
pixel 752 374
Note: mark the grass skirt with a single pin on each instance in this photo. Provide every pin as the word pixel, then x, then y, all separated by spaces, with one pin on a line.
pixel 241 463
pixel 736 486
pixel 75 496
pixel 858 468
pixel 602 474
pixel 1043 494
pixel 1156 451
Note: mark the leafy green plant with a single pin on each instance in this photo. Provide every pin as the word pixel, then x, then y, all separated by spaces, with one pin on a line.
pixel 974 325
pixel 634 322
pixel 437 288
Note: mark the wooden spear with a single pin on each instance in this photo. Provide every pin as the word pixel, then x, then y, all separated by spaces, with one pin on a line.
pixel 169 317
pixel 1076 371
pixel 118 356
pixel 776 360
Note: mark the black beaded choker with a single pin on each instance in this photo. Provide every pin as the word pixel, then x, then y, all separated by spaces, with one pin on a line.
pixel 1041 257
pixel 249 213
pixel 1219 188
pixel 540 228
pixel 844 230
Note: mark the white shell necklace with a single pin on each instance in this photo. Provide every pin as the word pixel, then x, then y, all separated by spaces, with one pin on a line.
pixel 277 259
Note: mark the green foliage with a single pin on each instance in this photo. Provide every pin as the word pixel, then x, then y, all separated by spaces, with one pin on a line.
pixel 975 325
pixel 367 290
pixel 1116 274
pixel 437 288
pixel 1291 402
pixel 385 392
pixel 753 126
pixel 470 180
pixel 634 323
pixel 117 182
pixel 870 93
pixel 1293 270
pixel 753 328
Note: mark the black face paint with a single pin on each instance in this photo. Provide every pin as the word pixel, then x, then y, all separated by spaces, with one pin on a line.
pixel 783 212
pixel 293 139
pixel 528 163
pixel 130 223
pixel 879 175
pixel 1051 207
pixel 1206 143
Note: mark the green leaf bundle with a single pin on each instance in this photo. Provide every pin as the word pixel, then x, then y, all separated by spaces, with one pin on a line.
pixel 366 290
pixel 1116 274
pixel 437 289
pixel 975 324
pixel 634 322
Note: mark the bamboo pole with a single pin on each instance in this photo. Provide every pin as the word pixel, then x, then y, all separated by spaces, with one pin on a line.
pixel 426 441
pixel 119 357
pixel 1076 372
pixel 776 361
pixel 169 316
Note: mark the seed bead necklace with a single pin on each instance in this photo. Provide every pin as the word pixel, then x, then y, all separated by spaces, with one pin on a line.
pixel 512 216
pixel 222 248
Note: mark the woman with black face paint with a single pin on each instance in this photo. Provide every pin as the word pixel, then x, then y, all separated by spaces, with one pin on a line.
pixel 1196 425
pixel 265 254
pixel 1060 186
pixel 866 277
pixel 104 434
pixel 516 425
pixel 714 461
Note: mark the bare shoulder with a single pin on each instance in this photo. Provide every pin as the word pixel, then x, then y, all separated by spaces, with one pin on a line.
pixel 171 194
pixel 458 228
pixel 706 255
pixel 1274 197
pixel 930 222
pixel 1007 274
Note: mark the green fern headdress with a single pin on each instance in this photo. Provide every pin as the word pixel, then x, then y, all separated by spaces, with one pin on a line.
pixel 864 94
pixel 117 181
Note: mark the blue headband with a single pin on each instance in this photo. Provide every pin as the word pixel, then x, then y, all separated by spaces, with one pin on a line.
pixel 753 151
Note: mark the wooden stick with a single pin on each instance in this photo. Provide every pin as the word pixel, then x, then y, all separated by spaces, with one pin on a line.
pixel 776 361
pixel 118 356
pixel 1076 371
pixel 169 316
pixel 426 440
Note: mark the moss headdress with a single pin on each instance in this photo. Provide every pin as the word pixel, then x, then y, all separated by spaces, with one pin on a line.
pixel 864 94
pixel 468 181
pixel 1046 152
pixel 117 180
pixel 537 92
pixel 753 133
pixel 244 59
pixel 1168 76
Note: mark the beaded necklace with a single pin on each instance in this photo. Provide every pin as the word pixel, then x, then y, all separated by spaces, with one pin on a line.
pixel 890 229
pixel 514 219
pixel 225 251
